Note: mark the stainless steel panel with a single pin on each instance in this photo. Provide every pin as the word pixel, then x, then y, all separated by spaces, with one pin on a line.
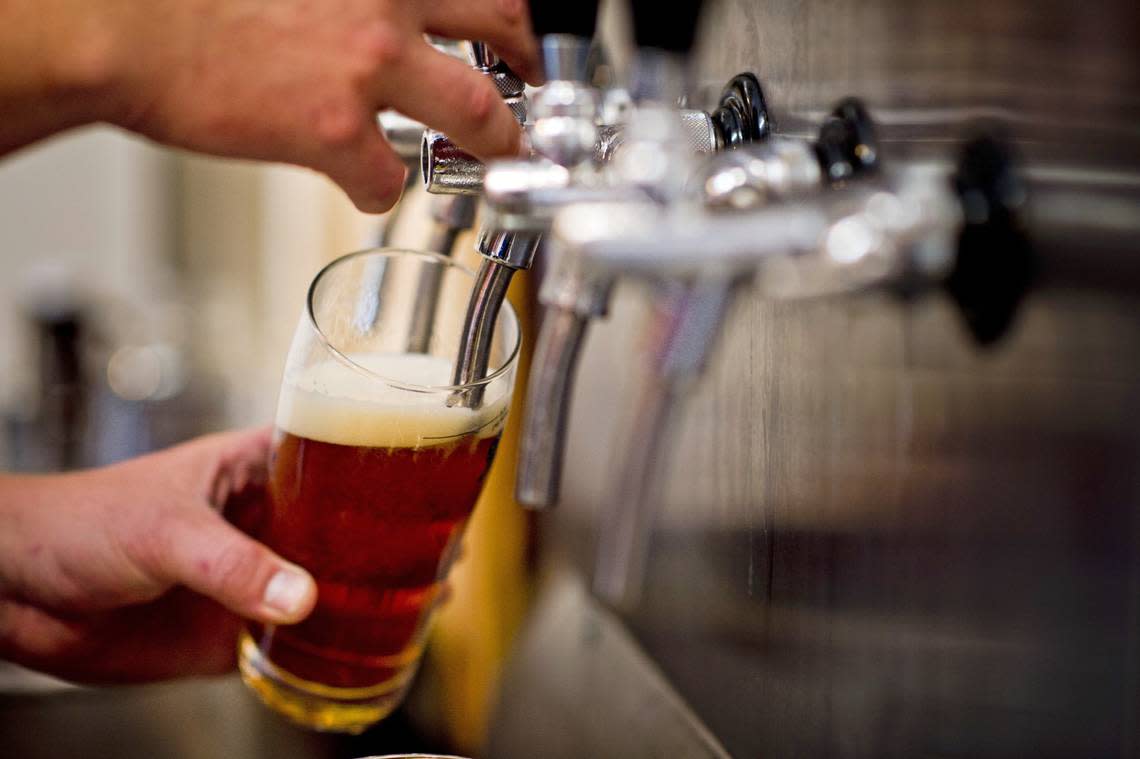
pixel 579 686
pixel 878 539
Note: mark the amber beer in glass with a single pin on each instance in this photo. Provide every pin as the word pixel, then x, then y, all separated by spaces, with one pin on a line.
pixel 375 470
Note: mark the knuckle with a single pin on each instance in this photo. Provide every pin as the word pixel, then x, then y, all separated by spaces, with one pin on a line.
pixel 481 102
pixel 147 546
pixel 380 46
pixel 339 123
pixel 235 572
pixel 511 10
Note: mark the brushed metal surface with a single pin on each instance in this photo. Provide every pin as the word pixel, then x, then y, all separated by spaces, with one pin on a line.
pixel 877 542
pixel 877 539
pixel 599 695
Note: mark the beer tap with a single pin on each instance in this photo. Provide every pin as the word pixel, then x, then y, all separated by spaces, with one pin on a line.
pixel 741 117
pixel 563 134
pixel 652 158
pixel 689 314
pixel 911 228
pixel 777 168
pixel 568 149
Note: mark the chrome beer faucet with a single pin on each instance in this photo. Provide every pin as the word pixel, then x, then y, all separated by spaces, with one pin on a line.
pixel 651 158
pixel 565 113
pixel 740 118
pixel 690 313
pixel 904 230
pixel 568 147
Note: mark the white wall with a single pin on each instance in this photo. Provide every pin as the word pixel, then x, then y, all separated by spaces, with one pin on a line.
pixel 220 251
pixel 95 204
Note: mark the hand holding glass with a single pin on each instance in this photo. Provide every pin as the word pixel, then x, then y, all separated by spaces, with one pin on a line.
pixel 372 479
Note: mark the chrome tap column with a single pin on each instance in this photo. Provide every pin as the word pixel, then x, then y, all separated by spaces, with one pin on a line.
pixel 651 157
pixel 566 110
pixel 917 227
pixel 898 519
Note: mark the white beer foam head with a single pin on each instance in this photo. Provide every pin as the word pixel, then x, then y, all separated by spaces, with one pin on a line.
pixel 334 403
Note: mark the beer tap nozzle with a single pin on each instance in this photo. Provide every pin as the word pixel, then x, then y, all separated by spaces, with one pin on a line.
pixel 844 243
pixel 572 299
pixel 686 323
pixel 565 115
pixel 651 159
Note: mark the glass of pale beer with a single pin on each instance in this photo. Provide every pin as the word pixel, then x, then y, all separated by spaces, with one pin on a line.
pixel 374 472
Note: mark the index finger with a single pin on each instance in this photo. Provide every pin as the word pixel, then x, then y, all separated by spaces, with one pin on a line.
pixel 453 98
pixel 503 24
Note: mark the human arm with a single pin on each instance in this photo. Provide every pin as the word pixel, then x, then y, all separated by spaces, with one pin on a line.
pixel 281 80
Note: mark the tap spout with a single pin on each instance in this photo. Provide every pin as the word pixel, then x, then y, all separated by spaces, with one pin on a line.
pixel 548 403
pixel 487 295
pixel 687 322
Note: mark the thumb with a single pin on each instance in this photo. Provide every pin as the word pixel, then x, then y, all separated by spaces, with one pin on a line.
pixel 208 555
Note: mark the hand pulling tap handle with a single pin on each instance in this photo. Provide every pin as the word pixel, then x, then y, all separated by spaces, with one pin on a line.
pixel 448 169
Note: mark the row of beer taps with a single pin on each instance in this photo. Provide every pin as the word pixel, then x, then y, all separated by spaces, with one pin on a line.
pixel 701 207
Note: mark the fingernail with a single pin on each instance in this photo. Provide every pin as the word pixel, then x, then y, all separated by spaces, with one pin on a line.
pixel 288 592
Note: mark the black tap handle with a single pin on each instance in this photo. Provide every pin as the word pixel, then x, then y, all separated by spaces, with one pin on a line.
pixel 742 116
pixel 996 264
pixel 847 146
pixel 575 17
pixel 666 26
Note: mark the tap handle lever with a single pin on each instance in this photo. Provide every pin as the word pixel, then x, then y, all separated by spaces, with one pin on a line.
pixel 847 146
pixel 742 117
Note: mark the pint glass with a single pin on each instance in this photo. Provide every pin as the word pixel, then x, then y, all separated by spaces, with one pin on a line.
pixel 374 472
